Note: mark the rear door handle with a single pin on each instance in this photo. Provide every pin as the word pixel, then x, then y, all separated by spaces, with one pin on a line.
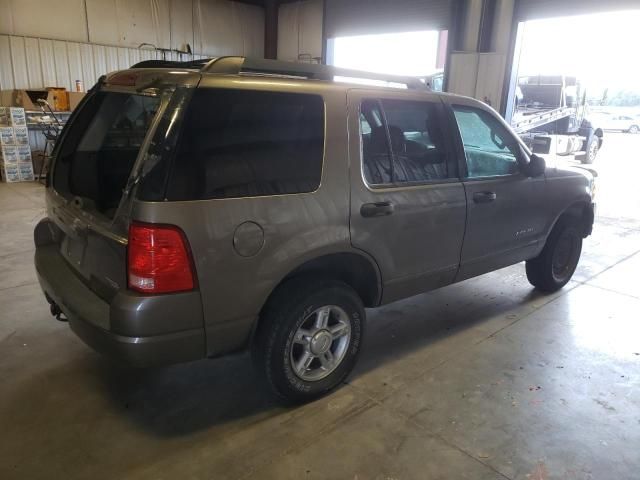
pixel 377 209
pixel 484 197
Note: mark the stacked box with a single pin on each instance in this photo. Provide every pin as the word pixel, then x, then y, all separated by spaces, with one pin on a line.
pixel 21 136
pixel 25 172
pixel 9 164
pixel 6 136
pixel 18 117
pixel 5 116
pixel 15 153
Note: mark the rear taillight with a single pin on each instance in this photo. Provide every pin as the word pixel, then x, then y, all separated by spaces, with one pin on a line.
pixel 158 259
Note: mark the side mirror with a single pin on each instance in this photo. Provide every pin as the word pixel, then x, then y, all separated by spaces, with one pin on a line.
pixel 536 166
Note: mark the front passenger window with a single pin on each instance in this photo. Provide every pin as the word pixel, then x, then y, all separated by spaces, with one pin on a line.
pixel 490 149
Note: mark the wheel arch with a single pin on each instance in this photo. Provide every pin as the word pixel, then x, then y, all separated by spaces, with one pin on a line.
pixel 355 268
pixel 581 211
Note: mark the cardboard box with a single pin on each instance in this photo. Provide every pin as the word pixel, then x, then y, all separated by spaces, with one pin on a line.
pixel 6 136
pixel 60 99
pixel 24 154
pixel 74 99
pixel 5 117
pixel 18 117
pixel 21 135
pixel 10 173
pixel 25 171
pixel 9 155
pixel 28 99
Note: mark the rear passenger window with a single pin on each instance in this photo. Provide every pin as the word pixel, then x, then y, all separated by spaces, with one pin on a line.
pixel 242 143
pixel 401 142
pixel 376 153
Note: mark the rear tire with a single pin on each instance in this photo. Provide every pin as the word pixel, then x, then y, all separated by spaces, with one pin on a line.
pixel 634 129
pixel 554 267
pixel 309 338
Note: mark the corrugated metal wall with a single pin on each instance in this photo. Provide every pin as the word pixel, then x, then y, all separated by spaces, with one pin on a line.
pixel 71 40
pixel 27 62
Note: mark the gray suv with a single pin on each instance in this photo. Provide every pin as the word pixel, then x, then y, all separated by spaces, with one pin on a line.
pixel 198 209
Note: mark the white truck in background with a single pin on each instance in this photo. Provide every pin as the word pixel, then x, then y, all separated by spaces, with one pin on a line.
pixel 550 115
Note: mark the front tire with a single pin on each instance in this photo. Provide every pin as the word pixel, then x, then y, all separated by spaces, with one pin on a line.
pixel 634 129
pixel 592 150
pixel 309 338
pixel 554 267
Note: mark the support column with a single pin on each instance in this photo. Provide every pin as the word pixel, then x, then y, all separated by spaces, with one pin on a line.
pixel 271 29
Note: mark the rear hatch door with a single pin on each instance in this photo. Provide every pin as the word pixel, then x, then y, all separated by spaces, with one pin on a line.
pixel 104 151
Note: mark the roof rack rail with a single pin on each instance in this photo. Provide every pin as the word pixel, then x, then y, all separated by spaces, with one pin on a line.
pixel 192 64
pixel 236 65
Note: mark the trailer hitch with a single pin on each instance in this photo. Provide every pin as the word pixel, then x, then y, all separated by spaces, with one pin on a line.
pixel 57 312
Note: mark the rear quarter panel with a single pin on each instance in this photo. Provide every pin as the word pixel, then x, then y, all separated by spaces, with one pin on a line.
pixel 297 228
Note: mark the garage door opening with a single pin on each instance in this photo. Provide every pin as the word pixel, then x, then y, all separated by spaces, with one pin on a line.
pixel 574 97
pixel 420 54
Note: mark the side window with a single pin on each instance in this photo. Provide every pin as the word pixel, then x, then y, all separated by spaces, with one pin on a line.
pixel 242 143
pixel 490 149
pixel 416 141
pixel 376 154
pixel 402 144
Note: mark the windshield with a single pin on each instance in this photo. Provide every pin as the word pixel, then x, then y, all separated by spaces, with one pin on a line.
pixel 101 147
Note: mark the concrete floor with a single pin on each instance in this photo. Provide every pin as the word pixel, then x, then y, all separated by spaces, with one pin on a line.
pixel 482 380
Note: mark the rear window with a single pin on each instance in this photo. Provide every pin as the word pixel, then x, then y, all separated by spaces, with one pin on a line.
pixel 101 146
pixel 241 143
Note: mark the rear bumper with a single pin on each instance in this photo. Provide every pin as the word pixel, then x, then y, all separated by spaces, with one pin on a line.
pixel 103 326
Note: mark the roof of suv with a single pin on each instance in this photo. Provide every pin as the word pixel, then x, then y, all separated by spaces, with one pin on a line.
pixel 243 66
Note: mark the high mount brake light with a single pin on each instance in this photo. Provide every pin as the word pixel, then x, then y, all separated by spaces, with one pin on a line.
pixel 124 79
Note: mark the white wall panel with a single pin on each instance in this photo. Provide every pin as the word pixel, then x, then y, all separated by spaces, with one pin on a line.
pixel 252 19
pixel 222 27
pixel 300 29
pixel 87 65
pixel 19 60
pixel 75 62
pixel 181 14
pixel 34 66
pixel 62 64
pixel 111 55
pixel 6 17
pixel 6 70
pixel 60 19
pixel 463 73
pixel 211 27
pixel 47 60
pixel 129 22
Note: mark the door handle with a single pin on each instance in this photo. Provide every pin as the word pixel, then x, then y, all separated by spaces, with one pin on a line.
pixel 377 209
pixel 484 197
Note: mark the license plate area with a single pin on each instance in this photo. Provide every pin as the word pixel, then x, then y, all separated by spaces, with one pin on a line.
pixel 74 249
